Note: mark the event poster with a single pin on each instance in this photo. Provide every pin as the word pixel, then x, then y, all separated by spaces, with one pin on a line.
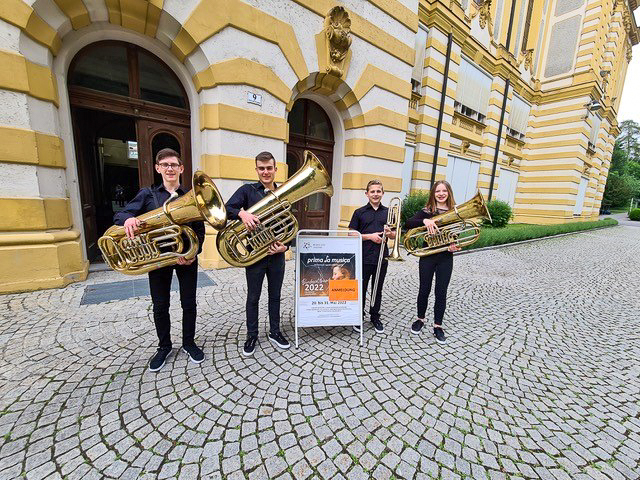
pixel 328 281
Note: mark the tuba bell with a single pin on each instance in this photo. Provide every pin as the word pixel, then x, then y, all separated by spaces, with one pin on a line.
pixel 240 247
pixel 460 226
pixel 159 242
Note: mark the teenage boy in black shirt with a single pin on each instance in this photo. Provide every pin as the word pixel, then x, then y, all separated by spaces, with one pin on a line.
pixel 169 166
pixel 370 220
pixel 272 265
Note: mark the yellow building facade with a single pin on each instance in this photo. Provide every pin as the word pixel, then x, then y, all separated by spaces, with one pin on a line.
pixel 515 98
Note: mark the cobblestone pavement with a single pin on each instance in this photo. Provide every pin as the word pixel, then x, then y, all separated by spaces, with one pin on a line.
pixel 539 378
pixel 623 219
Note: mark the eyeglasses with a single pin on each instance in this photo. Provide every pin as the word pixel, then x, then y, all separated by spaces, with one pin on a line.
pixel 166 166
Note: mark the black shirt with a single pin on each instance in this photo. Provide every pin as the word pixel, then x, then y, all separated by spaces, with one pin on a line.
pixel 246 196
pixel 417 219
pixel 369 220
pixel 145 201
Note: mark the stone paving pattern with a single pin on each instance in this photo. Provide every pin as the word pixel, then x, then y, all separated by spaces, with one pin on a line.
pixel 539 378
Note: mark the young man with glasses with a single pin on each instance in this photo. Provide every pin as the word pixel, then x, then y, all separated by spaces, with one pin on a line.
pixel 169 166
pixel 271 266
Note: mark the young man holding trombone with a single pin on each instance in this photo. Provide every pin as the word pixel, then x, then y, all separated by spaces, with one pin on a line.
pixel 371 221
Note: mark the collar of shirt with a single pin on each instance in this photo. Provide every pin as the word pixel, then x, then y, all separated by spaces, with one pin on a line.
pixel 369 206
pixel 262 189
pixel 162 188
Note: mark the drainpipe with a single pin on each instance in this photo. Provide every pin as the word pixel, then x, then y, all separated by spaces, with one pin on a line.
pixel 504 107
pixel 497 152
pixel 443 99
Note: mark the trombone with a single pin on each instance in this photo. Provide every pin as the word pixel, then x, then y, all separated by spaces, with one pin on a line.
pixel 393 222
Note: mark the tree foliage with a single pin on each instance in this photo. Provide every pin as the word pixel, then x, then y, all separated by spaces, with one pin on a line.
pixel 623 182
pixel 629 139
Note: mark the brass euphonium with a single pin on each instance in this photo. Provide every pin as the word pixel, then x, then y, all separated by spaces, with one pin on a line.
pixel 460 226
pixel 240 247
pixel 159 242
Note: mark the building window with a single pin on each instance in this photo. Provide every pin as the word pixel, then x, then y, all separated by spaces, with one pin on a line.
pixel 593 134
pixel 507 182
pixel 418 66
pixel 582 190
pixel 518 118
pixel 472 92
pixel 407 169
pixel 527 26
pixel 127 70
pixel 462 174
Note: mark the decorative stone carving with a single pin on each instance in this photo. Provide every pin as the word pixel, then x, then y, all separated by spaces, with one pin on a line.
pixel 628 53
pixel 465 146
pixel 483 10
pixel 337 28
pixel 605 80
pixel 626 20
pixel 527 58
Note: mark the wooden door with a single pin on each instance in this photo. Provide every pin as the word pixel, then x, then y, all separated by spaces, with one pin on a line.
pixel 84 155
pixel 312 212
pixel 153 137
pixel 310 129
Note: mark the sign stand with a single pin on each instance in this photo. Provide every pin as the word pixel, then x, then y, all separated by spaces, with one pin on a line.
pixel 328 279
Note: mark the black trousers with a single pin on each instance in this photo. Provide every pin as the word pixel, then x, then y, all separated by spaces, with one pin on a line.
pixel 440 264
pixel 273 267
pixel 369 273
pixel 160 287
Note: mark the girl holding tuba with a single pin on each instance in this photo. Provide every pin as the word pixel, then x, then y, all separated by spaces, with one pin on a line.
pixel 439 264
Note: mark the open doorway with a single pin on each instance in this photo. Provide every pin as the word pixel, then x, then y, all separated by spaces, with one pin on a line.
pixel 126 105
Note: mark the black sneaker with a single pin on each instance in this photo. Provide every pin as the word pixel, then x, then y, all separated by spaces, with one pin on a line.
pixel 157 361
pixel 279 340
pixel 377 324
pixel 195 354
pixel 438 332
pixel 250 346
pixel 416 328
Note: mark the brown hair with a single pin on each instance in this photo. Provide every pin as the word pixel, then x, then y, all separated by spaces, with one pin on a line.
pixel 431 202
pixel 265 157
pixel 346 274
pixel 167 153
pixel 375 181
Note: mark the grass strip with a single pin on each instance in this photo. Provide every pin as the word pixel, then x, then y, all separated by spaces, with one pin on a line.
pixel 517 232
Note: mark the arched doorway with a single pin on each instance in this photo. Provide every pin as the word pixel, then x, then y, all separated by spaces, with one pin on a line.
pixel 310 129
pixel 126 104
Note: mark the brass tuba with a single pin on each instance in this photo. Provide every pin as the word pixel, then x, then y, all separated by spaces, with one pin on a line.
pixel 159 242
pixel 240 247
pixel 460 226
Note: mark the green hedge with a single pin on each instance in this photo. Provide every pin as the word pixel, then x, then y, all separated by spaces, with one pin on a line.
pixel 634 214
pixel 500 213
pixel 519 231
pixel 412 204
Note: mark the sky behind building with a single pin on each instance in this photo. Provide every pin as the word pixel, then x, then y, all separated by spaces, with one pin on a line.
pixel 630 102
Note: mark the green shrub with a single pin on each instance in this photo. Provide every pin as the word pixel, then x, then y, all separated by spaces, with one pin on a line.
pixel 412 204
pixel 500 212
pixel 634 214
